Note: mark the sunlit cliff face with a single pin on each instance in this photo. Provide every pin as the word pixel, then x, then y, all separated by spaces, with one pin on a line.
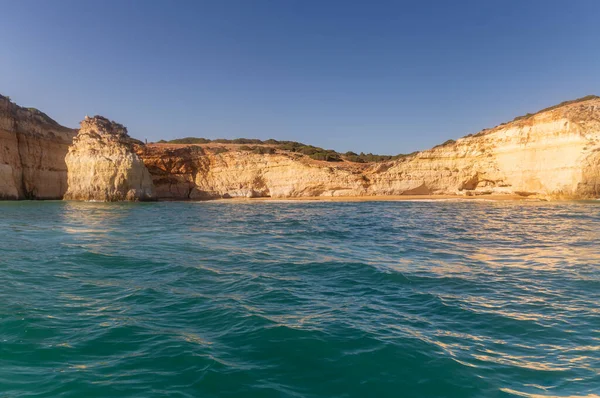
pixel 103 165
pixel 554 154
pixel 32 153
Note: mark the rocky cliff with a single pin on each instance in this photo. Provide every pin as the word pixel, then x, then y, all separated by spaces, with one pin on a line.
pixel 103 166
pixel 32 153
pixel 552 154
pixel 205 172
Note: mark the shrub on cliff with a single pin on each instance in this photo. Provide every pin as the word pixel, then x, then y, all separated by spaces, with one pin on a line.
pixel 263 150
pixel 564 103
pixel 354 158
pixel 190 140
pixel 259 150
pixel 369 157
pixel 326 156
pixel 446 143
pixel 526 116
pixel 218 150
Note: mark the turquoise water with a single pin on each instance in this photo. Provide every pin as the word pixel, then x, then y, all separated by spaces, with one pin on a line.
pixel 397 299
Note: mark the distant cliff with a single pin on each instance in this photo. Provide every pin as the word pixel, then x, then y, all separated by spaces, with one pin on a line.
pixel 32 153
pixel 553 154
pixel 211 172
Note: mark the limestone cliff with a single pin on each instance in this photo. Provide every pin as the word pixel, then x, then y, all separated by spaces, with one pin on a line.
pixel 195 172
pixel 32 153
pixel 552 154
pixel 103 166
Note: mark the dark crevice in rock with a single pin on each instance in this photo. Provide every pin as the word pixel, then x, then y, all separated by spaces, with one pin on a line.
pixel 23 184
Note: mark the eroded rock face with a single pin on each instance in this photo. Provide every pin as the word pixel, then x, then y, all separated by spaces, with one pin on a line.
pixel 32 153
pixel 103 166
pixel 173 170
pixel 553 154
pixel 198 173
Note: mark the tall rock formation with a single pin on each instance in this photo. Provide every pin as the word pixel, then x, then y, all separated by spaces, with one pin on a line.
pixel 32 153
pixel 103 166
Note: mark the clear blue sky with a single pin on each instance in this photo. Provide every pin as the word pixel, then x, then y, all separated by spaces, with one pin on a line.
pixel 374 76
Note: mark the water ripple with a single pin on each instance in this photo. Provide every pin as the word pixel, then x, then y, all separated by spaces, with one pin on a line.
pixel 412 299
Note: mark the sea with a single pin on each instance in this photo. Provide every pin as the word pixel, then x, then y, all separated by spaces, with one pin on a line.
pixel 300 299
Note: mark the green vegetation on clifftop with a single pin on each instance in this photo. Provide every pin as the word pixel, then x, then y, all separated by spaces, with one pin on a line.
pixel 564 103
pixel 270 146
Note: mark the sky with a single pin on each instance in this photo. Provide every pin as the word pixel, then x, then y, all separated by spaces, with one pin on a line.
pixel 377 76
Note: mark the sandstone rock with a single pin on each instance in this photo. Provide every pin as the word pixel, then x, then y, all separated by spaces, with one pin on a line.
pixel 553 154
pixel 32 153
pixel 173 170
pixel 103 166
pixel 196 173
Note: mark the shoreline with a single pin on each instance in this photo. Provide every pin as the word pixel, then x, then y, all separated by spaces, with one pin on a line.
pixel 380 198
pixel 338 199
